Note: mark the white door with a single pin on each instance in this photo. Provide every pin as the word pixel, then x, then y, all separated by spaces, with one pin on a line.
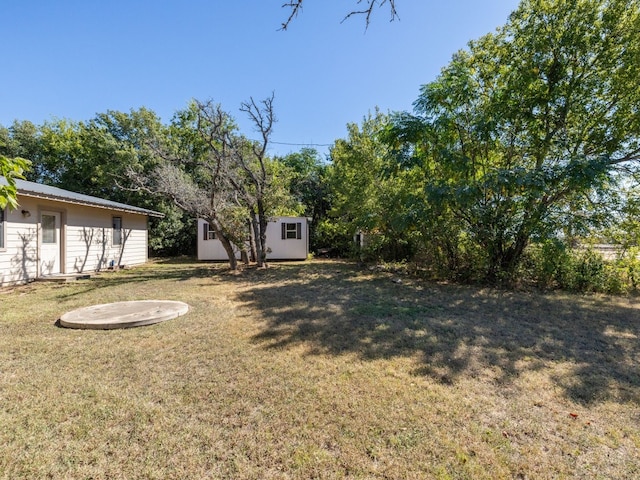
pixel 50 243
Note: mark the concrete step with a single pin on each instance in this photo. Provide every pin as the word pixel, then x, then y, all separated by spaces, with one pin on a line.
pixel 64 277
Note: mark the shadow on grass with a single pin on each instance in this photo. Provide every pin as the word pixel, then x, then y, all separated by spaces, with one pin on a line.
pixel 175 269
pixel 590 347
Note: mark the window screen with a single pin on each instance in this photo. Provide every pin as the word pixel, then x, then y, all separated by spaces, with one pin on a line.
pixel 48 229
pixel 117 230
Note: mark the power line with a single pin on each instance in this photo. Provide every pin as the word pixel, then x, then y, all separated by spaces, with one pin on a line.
pixel 308 144
pixel 303 144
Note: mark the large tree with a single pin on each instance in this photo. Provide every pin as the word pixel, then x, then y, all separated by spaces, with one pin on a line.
pixel 243 163
pixel 369 194
pixel 530 124
pixel 307 185
pixel 212 171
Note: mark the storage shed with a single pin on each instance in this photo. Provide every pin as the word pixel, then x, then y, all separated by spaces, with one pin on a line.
pixel 287 239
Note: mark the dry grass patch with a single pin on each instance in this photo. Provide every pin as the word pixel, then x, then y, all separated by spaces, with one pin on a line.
pixel 318 370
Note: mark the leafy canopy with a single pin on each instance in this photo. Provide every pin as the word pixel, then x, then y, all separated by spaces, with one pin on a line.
pixel 531 127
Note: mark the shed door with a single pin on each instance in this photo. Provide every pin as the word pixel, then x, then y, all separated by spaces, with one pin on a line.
pixel 49 243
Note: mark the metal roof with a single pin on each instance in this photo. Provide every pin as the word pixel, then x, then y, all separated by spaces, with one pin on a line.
pixel 37 190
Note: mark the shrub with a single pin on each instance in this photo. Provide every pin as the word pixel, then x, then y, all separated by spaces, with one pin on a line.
pixel 551 264
pixel 546 263
pixel 586 272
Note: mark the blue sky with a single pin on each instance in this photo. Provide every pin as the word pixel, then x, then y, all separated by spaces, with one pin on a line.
pixel 75 58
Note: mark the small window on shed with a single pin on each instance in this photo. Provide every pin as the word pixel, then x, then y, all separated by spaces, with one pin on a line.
pixel 207 232
pixel 292 231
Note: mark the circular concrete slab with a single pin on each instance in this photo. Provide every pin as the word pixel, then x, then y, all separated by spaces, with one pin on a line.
pixel 123 314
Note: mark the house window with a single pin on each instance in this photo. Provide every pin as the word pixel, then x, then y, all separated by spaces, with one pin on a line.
pixel 292 231
pixel 207 232
pixel 49 229
pixel 117 231
pixel 2 228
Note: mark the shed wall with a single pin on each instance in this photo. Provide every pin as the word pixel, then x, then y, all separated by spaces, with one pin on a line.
pixel 277 247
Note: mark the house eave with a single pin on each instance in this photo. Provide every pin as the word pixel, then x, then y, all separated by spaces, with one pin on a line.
pixel 45 192
pixel 116 208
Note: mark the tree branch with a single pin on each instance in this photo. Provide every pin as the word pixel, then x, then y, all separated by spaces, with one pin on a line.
pixel 296 8
pixel 369 10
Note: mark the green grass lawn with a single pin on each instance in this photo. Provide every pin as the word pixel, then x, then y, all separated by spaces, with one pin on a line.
pixel 318 370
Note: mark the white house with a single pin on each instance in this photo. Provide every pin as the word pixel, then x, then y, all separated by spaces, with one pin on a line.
pixel 54 231
pixel 287 239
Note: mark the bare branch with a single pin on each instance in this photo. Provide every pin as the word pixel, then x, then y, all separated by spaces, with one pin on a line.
pixel 367 11
pixel 263 118
pixel 296 7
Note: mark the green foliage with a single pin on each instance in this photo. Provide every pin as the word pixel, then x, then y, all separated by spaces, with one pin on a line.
pixel 10 170
pixel 333 238
pixel 280 199
pixel 586 272
pixel 13 165
pixel 94 158
pixel 527 136
pixel 371 195
pixel 21 140
pixel 522 134
pixel 547 262
pixel 172 235
pixel 551 265
pixel 305 174
pixel 305 178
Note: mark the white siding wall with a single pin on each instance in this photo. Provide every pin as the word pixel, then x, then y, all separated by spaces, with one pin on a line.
pixel 87 236
pixel 210 249
pixel 287 249
pixel 89 239
pixel 19 258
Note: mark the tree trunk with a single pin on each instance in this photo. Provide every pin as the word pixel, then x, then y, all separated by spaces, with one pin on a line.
pixel 252 244
pixel 226 244
pixel 233 261
pixel 260 242
pixel 244 256
pixel 262 239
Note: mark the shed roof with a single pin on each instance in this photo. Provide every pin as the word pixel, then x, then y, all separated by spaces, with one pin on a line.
pixel 37 190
